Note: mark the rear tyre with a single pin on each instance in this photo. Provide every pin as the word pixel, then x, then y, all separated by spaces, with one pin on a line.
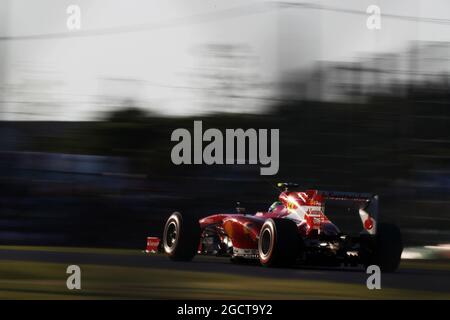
pixel 181 237
pixel 279 243
pixel 388 247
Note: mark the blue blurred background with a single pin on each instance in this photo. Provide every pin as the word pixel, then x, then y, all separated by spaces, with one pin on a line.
pixel 86 116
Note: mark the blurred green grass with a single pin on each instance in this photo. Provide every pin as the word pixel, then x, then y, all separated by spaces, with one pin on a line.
pixel 36 280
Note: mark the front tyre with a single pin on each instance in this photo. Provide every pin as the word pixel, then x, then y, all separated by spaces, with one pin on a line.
pixel 181 237
pixel 279 243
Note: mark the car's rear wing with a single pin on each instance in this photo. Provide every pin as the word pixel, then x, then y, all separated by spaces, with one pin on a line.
pixel 366 203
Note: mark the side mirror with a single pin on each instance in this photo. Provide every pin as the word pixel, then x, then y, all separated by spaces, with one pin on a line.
pixel 240 209
pixel 287 186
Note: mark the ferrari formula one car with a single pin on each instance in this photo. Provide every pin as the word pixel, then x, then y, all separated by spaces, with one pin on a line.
pixel 294 230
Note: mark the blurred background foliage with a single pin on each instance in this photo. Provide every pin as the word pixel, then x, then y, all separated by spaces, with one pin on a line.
pixel 112 182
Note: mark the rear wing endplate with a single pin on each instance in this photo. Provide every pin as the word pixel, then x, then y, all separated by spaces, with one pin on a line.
pixel 367 204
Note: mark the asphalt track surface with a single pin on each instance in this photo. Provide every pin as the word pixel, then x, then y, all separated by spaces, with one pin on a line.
pixel 407 277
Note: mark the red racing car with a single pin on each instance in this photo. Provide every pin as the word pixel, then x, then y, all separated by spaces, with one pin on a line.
pixel 294 230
